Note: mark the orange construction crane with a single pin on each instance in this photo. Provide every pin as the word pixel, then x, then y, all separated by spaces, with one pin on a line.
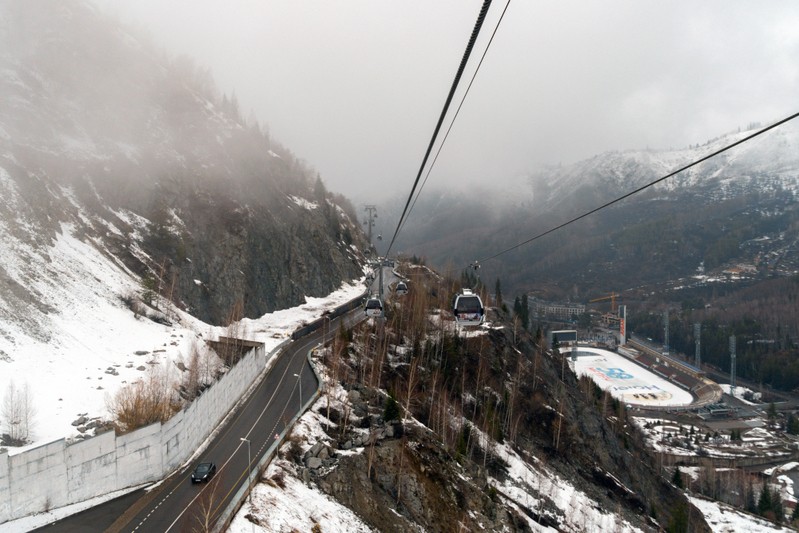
pixel 612 297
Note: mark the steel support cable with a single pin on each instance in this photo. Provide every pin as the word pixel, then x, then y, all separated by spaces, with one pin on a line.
pixel 457 112
pixel 639 189
pixel 475 32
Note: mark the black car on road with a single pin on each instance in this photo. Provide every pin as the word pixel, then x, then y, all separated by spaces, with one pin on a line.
pixel 203 473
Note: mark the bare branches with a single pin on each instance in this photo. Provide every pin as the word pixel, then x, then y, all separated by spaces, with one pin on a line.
pixel 207 507
pixel 152 399
pixel 17 414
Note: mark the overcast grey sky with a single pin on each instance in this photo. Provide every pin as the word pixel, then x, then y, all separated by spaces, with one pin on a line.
pixel 355 87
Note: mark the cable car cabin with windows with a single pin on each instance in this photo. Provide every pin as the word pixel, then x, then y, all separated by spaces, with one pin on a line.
pixel 468 309
pixel 374 307
pixel 401 289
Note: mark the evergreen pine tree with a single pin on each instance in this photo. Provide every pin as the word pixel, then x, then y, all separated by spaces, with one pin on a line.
pixel 498 296
pixel 392 411
pixel 678 523
pixel 772 414
pixel 751 505
pixel 792 426
pixel 677 478
pixel 764 502
pixel 319 190
pixel 525 312
pixel 777 507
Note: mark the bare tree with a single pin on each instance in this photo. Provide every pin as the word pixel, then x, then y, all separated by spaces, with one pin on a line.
pixel 209 364
pixel 536 357
pixel 152 399
pixel 207 507
pixel 371 457
pixel 409 394
pixel 334 366
pixel 559 420
pixel 17 413
pixel 512 419
pixel 192 382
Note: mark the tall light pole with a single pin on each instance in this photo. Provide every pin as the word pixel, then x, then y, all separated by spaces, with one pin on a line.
pixel 299 380
pixel 249 469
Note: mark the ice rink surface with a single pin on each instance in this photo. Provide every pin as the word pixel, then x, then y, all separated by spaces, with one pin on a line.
pixel 627 381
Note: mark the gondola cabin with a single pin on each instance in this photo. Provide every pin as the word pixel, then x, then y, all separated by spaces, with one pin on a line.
pixel 401 289
pixel 374 307
pixel 468 309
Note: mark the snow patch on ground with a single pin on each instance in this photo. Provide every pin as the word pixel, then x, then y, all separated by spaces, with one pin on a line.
pixel 293 507
pixel 725 519
pixel 305 204
pixel 525 481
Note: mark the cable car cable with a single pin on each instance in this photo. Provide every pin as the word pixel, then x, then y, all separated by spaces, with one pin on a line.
pixel 457 112
pixel 643 187
pixel 475 32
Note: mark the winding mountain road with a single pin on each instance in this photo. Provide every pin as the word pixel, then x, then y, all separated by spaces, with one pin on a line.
pixel 177 505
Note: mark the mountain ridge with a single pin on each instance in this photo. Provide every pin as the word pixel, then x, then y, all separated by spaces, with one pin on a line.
pixel 754 185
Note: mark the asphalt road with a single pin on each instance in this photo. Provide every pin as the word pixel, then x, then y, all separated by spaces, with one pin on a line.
pixel 176 504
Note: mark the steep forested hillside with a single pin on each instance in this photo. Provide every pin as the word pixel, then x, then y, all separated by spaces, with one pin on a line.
pixel 484 428
pixel 763 316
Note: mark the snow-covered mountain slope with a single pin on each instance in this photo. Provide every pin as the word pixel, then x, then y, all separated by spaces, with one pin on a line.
pixel 767 162
pixel 73 327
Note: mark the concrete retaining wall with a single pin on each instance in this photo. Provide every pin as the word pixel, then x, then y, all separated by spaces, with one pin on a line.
pixel 42 472
pixel 5 488
pixel 91 464
pixel 58 474
pixel 139 455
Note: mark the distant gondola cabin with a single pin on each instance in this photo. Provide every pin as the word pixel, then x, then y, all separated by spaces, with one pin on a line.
pixel 374 307
pixel 401 289
pixel 468 309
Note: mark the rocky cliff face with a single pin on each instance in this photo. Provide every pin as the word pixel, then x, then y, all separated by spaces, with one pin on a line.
pixel 138 153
